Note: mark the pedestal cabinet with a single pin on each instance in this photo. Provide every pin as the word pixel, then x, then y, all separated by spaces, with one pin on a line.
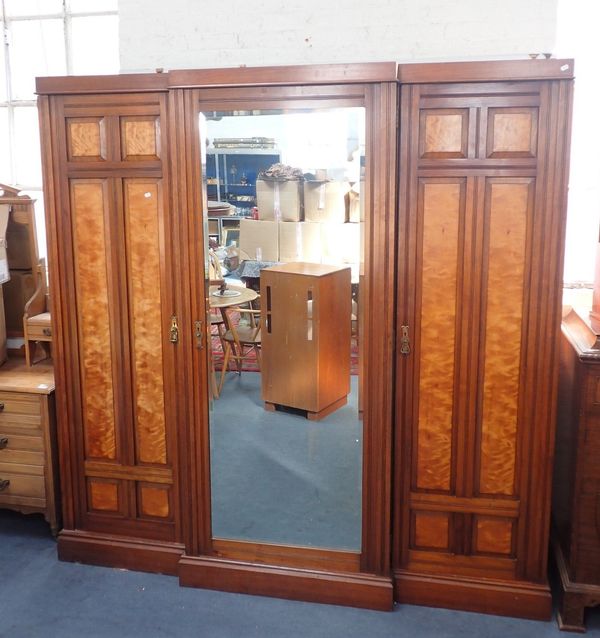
pixel 306 337
pixel 576 489
pixel 482 198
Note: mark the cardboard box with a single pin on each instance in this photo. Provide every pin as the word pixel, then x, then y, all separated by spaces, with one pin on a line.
pixel 279 200
pixel 340 243
pixel 300 241
pixel 261 236
pixel 325 201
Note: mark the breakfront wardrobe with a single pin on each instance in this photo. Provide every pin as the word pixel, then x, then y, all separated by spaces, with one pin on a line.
pixel 465 191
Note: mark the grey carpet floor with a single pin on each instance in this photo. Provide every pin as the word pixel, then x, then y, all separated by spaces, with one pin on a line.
pixel 278 477
pixel 41 597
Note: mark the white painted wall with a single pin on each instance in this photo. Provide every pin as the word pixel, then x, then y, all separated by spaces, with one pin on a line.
pixel 201 33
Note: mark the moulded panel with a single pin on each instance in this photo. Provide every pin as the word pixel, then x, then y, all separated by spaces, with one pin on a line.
pixel 430 530
pixel 86 139
pixel 512 132
pixel 443 133
pixel 154 501
pixel 143 210
pixel 508 206
pixel 140 138
pixel 103 495
pixel 493 535
pixel 441 206
pixel 89 206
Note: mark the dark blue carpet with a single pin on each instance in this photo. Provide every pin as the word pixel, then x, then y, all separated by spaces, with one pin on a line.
pixel 41 597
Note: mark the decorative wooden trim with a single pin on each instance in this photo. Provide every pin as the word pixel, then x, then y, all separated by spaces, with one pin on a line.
pixel 486 596
pixel 475 505
pixel 123 83
pixel 285 75
pixel 380 284
pixel 490 71
pixel 152 474
pixel 354 590
pixel 295 557
pixel 110 551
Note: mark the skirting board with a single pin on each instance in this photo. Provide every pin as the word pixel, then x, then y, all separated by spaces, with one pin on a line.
pixel 354 590
pixel 518 599
pixel 102 549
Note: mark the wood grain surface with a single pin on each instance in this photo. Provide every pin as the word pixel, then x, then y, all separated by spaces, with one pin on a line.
pixel 89 210
pixel 441 210
pixel 508 209
pixel 142 219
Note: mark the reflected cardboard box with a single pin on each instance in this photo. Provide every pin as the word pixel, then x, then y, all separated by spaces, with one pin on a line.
pixel 279 200
pixel 300 241
pixel 325 201
pixel 340 243
pixel 259 239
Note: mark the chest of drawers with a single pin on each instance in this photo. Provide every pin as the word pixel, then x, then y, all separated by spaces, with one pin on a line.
pixel 28 457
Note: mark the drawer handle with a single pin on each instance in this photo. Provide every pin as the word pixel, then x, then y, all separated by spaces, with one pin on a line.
pixel 47 332
pixel 1 407
pixel 3 442
pixel 4 483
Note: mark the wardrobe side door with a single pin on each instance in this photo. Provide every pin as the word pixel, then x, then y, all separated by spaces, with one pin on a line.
pixel 481 266
pixel 115 248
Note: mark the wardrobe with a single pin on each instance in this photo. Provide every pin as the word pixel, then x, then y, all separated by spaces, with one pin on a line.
pixel 465 197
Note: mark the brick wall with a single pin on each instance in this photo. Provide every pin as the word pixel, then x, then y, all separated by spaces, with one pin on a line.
pixel 199 33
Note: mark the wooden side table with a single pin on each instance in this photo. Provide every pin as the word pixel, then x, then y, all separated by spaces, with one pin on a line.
pixel 28 455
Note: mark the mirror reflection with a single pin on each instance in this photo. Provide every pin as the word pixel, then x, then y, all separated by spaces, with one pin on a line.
pixel 283 223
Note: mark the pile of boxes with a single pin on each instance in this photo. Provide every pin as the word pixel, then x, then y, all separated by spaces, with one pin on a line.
pixel 313 221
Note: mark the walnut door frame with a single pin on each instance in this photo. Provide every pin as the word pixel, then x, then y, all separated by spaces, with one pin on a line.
pixel 492 556
pixel 115 143
pixel 227 564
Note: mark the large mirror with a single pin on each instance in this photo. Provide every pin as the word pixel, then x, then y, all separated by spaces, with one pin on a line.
pixel 283 194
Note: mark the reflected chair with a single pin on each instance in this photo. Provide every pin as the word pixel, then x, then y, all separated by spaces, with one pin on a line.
pixel 241 341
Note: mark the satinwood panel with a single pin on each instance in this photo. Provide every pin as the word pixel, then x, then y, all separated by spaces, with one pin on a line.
pixel 493 535
pixel 142 199
pixel 508 207
pixel 90 212
pixel 140 138
pixel 512 132
pixel 430 530
pixel 154 501
pixel 444 133
pixel 86 139
pixel 441 206
pixel 104 495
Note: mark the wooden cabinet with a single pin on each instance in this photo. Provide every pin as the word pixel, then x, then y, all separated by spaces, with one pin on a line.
pixel 482 218
pixel 306 337
pixel 576 488
pixel 28 453
pixel 111 250
pixel 465 275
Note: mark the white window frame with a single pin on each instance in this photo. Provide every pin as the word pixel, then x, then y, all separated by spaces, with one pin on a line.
pixel 66 15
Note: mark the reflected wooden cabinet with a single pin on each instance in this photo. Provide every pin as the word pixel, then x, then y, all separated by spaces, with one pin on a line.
pixel 306 337
pixel 458 427
pixel 483 212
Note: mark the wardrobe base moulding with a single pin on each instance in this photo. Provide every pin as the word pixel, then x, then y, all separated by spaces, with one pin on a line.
pixel 521 600
pixel 351 590
pixel 108 551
